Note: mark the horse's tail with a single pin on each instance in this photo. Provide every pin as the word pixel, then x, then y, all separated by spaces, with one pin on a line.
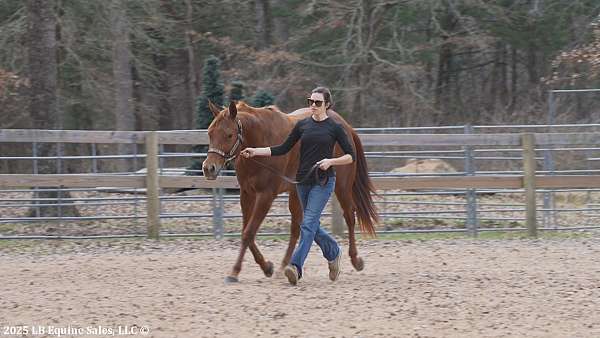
pixel 361 191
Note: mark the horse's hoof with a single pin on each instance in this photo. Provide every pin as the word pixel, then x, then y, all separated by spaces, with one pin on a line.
pixel 358 264
pixel 270 268
pixel 231 280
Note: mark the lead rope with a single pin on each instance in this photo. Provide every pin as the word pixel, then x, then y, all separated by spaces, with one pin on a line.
pixel 313 170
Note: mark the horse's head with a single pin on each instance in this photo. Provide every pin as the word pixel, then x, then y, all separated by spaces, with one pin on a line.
pixel 224 140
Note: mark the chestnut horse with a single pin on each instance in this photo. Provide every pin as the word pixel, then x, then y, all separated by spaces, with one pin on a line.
pixel 240 126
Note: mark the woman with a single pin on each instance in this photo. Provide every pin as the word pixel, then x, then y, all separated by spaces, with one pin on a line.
pixel 318 135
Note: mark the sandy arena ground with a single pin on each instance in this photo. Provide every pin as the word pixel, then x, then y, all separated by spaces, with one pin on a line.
pixel 449 288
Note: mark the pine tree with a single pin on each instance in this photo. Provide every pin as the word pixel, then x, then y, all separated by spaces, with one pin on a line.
pixel 213 90
pixel 237 91
pixel 262 98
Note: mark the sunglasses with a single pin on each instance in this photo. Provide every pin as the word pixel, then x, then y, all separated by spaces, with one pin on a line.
pixel 317 103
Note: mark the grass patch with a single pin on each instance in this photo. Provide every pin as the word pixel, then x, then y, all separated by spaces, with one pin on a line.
pixel 484 235
pixel 8 227
pixel 40 246
pixel 16 244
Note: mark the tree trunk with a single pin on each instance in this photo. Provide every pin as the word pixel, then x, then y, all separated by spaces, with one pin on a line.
pixel 429 67
pixel 280 24
pixel 503 75
pixel 514 78
pixel 43 103
pixel 123 82
pixel 165 120
pixel 532 64
pixel 179 84
pixel 495 81
pixel 179 95
pixel 193 83
pixel 41 47
pixel 264 23
pixel 443 76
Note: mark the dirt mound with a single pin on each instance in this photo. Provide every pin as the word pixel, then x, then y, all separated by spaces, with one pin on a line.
pixel 418 166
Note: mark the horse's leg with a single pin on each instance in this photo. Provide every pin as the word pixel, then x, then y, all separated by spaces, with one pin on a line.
pixel 346 203
pixel 247 204
pixel 265 265
pixel 253 226
pixel 295 208
pixel 258 212
pixel 247 207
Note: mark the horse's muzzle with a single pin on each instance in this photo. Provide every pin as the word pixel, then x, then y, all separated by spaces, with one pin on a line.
pixel 210 171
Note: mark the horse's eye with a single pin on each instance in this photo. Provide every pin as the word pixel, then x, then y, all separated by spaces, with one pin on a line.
pixel 230 135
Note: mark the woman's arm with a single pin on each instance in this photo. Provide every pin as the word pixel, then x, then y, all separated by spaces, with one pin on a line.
pixel 281 149
pixel 287 145
pixel 325 163
pixel 344 142
pixel 344 159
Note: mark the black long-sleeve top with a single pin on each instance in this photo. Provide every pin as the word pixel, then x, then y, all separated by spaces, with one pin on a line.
pixel 317 141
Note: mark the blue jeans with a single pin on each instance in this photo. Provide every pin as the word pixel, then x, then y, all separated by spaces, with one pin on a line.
pixel 313 199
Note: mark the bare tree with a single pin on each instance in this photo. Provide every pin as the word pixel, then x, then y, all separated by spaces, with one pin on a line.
pixel 264 23
pixel 41 42
pixel 123 84
pixel 193 83
pixel 281 25
pixel 43 104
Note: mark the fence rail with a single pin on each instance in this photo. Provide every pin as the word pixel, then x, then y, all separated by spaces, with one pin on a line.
pixel 200 137
pixel 230 182
pixel 529 180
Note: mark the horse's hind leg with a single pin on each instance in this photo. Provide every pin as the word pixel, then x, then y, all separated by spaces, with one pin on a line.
pixel 265 265
pixel 346 203
pixel 296 210
pixel 254 210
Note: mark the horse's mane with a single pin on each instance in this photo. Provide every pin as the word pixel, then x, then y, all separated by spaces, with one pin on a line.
pixel 295 115
pixel 245 107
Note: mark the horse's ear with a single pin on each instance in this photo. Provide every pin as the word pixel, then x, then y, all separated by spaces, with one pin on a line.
pixel 213 108
pixel 232 109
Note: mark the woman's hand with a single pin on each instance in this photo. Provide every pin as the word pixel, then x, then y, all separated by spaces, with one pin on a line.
pixel 248 152
pixel 325 163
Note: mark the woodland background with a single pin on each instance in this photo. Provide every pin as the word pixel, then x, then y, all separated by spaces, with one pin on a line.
pixel 141 64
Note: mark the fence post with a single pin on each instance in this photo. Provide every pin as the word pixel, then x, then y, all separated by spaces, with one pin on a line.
pixel 472 221
pixel 94 159
pixel 529 168
pixel 59 170
pixel 152 185
pixel 36 194
pixel 337 218
pixel 135 169
pixel 217 206
pixel 549 215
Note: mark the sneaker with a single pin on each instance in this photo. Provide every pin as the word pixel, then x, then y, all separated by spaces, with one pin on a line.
pixel 335 266
pixel 291 272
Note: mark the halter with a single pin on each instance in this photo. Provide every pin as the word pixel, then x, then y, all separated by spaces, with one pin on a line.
pixel 231 155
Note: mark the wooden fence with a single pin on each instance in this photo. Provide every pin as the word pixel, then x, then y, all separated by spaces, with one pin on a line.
pixel 153 182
